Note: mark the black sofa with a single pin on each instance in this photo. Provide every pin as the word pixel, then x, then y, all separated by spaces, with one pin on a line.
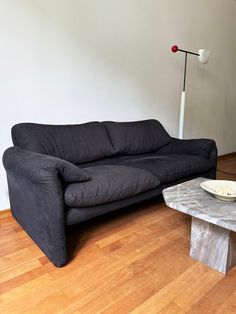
pixel 60 175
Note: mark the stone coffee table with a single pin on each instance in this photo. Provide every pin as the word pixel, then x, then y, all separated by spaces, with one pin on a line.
pixel 213 230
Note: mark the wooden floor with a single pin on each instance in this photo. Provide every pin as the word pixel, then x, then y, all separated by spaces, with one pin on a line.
pixel 134 261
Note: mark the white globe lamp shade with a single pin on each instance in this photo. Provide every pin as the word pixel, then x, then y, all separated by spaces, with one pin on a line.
pixel 203 55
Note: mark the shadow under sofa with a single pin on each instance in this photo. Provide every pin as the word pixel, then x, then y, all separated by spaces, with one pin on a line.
pixel 61 175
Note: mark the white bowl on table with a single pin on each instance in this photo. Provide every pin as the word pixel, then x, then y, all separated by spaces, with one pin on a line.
pixel 219 189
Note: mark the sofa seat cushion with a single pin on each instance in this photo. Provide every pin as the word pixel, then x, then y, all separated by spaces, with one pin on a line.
pixel 107 184
pixel 168 168
pixel 114 160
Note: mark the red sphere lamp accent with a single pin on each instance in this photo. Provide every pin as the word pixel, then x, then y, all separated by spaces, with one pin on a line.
pixel 174 48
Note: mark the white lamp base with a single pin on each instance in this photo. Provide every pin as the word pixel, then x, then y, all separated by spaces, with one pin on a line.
pixel 181 115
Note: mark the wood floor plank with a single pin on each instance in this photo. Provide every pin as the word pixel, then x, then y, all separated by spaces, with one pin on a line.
pixel 96 271
pixel 145 280
pixel 136 226
pixel 129 252
pixel 22 290
pixel 5 214
pixel 197 290
pixel 163 297
pixel 229 305
pixel 25 277
pixel 213 299
pixel 17 258
pixel 171 308
pixel 18 270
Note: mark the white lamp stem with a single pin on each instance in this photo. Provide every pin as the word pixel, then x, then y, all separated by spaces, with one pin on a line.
pixel 181 115
pixel 203 56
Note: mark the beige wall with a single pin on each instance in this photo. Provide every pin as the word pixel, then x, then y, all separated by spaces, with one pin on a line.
pixel 70 61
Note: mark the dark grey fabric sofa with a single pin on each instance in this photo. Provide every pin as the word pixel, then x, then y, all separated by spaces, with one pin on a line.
pixel 61 175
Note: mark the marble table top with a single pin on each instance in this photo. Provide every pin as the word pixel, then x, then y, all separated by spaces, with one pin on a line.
pixel 191 199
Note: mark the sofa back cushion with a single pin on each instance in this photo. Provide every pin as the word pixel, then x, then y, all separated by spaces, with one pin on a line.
pixel 137 137
pixel 75 143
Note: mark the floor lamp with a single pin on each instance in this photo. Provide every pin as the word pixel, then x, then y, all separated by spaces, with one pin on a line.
pixel 203 56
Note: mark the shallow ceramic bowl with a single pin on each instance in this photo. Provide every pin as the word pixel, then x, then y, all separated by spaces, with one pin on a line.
pixel 212 185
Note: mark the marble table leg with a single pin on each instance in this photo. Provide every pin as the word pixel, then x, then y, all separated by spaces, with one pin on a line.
pixel 213 245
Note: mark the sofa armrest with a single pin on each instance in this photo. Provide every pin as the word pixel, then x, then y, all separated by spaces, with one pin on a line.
pixel 201 147
pixel 35 183
pixel 39 167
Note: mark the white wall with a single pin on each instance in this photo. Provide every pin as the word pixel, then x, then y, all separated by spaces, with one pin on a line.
pixel 71 61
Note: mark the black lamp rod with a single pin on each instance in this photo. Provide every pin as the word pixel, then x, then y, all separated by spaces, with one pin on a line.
pixel 190 52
